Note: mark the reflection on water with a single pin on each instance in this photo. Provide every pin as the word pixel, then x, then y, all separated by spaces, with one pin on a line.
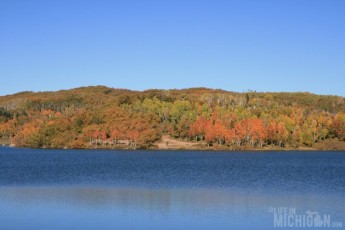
pixel 144 208
pixel 70 189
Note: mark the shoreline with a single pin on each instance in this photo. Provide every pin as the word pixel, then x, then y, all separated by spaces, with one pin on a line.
pixel 167 143
pixel 300 149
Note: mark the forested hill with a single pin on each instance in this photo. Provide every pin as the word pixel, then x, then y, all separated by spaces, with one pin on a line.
pixel 98 116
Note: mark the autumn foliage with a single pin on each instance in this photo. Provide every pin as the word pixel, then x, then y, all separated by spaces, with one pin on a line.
pixel 101 117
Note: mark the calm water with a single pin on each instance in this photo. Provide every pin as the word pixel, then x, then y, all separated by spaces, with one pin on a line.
pixel 95 189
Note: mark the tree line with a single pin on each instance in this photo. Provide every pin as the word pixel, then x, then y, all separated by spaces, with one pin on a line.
pixel 93 117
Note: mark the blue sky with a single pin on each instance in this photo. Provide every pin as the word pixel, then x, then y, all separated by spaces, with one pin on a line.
pixel 291 45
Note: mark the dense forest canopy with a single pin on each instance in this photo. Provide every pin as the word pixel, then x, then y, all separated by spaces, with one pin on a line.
pixel 100 116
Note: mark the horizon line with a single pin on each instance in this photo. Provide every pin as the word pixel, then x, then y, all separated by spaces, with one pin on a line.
pixel 164 89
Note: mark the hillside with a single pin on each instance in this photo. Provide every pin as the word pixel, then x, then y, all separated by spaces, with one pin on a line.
pixel 102 117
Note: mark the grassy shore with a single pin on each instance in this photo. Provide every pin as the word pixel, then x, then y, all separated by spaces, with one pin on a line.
pixel 5 141
pixel 169 143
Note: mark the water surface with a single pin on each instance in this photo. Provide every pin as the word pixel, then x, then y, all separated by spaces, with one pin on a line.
pixel 99 189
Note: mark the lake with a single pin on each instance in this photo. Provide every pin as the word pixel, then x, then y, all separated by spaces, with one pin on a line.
pixel 104 189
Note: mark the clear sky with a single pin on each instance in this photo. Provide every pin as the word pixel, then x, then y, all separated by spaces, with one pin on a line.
pixel 278 45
